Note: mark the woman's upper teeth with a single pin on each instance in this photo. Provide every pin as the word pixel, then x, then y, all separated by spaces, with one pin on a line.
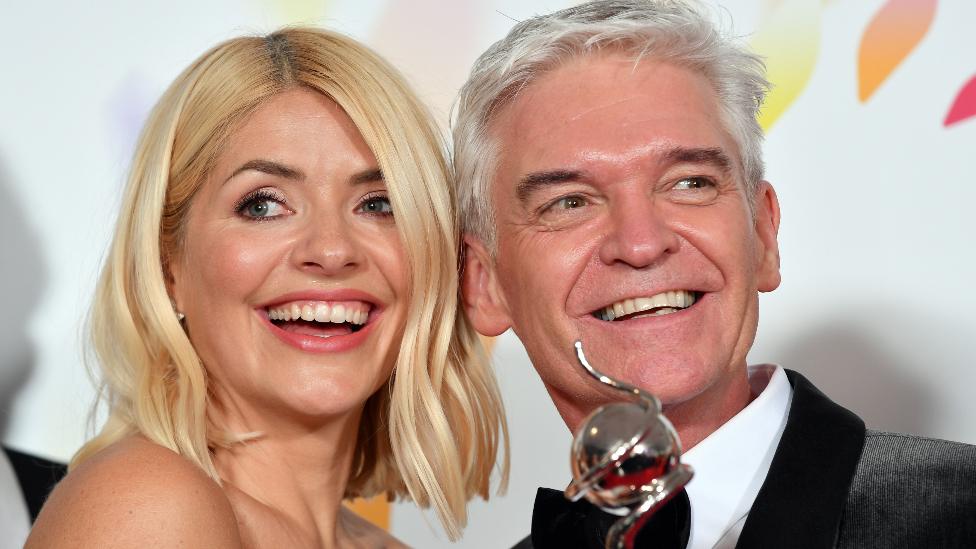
pixel 353 312
pixel 670 301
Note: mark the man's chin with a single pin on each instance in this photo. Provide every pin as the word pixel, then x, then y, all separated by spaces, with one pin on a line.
pixel 674 384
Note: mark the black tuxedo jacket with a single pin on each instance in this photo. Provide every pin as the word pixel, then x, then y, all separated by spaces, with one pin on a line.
pixel 833 483
pixel 37 477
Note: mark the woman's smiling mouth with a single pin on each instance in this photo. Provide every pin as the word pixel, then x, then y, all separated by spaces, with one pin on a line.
pixel 321 326
pixel 320 318
pixel 663 303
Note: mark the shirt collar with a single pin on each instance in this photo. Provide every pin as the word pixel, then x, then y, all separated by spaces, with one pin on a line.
pixel 731 463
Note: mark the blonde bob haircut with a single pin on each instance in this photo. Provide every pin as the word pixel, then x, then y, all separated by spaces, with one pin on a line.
pixel 434 432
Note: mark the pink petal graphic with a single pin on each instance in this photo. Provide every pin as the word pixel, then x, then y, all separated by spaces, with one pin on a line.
pixel 894 32
pixel 127 110
pixel 964 106
pixel 435 63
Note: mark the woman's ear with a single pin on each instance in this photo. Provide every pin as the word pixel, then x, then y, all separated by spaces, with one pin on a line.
pixel 172 274
pixel 484 302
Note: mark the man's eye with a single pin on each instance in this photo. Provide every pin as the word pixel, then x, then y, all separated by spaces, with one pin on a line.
pixel 693 183
pixel 569 203
pixel 261 205
pixel 377 205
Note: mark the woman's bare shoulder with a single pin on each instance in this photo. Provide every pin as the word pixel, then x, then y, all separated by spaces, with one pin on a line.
pixel 136 493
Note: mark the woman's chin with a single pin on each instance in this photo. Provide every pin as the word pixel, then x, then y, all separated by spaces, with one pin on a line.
pixel 320 406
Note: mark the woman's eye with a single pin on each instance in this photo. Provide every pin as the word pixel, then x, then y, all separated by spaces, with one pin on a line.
pixel 378 205
pixel 262 205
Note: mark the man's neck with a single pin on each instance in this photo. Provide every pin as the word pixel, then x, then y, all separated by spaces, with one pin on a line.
pixel 701 416
pixel 693 419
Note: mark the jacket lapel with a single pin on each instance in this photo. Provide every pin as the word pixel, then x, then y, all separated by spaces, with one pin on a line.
pixel 802 500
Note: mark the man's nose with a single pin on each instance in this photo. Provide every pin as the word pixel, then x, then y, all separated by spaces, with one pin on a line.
pixel 639 235
pixel 327 247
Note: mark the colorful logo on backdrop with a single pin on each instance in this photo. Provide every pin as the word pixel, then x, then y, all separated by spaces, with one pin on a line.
pixel 789 37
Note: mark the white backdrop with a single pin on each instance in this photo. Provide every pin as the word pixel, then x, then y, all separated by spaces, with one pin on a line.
pixel 877 196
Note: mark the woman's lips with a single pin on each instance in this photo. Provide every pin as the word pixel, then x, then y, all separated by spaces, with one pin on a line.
pixel 321 322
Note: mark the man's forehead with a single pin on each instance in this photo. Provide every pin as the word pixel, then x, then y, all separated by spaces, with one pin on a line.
pixel 607 109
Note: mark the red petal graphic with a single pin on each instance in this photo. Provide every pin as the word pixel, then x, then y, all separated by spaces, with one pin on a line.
pixel 965 104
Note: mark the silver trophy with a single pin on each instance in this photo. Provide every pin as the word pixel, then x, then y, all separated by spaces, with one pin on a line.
pixel 626 459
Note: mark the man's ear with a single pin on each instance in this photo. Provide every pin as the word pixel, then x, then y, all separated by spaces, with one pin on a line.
pixel 767 228
pixel 483 299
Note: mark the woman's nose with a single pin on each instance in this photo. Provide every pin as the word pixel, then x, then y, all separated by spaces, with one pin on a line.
pixel 327 247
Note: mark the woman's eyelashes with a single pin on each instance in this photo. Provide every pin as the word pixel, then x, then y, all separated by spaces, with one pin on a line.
pixel 267 204
pixel 376 204
pixel 262 204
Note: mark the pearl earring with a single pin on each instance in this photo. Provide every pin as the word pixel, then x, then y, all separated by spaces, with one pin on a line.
pixel 179 315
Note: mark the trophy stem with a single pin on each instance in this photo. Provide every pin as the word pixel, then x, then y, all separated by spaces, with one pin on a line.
pixel 650 399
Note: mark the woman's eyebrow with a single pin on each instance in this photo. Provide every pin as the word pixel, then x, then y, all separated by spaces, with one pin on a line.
pixel 269 167
pixel 373 175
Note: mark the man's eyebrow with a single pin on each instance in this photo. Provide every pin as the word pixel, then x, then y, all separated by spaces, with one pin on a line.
pixel 374 175
pixel 269 167
pixel 538 180
pixel 712 156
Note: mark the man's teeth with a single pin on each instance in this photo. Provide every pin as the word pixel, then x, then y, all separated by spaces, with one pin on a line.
pixel 660 304
pixel 321 312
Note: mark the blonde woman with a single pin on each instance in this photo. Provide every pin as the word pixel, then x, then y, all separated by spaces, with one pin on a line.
pixel 277 322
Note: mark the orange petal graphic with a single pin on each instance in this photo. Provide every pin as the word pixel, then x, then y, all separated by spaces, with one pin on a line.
pixel 965 104
pixel 375 509
pixel 893 33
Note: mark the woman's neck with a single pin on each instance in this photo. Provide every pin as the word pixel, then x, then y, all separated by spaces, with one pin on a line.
pixel 290 481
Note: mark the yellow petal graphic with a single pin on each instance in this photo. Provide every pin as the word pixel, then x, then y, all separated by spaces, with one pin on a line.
pixel 789 39
pixel 300 11
pixel 890 36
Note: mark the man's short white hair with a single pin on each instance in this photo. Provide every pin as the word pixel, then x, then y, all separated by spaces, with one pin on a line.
pixel 673 31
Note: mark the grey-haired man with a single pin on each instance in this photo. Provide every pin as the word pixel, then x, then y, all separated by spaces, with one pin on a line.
pixel 611 181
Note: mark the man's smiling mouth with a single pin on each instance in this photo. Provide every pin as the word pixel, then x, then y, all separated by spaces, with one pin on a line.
pixel 320 318
pixel 663 303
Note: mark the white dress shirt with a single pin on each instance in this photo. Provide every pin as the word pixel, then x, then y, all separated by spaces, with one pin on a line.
pixel 731 463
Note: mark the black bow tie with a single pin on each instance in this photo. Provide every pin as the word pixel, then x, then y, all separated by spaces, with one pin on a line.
pixel 560 523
